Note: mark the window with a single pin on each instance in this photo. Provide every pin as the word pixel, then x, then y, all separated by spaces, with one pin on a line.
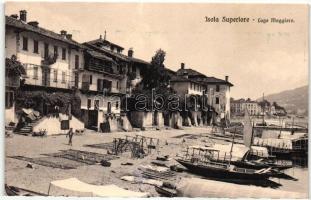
pixel 217 88
pixel 89 103
pixel 55 51
pixel 64 53
pixel 25 44
pixel 76 80
pixel 35 72
pixel 46 50
pixel 76 62
pixel 9 99
pixel 91 79
pixel 55 75
pixel 117 105
pixel 109 107
pixel 217 100
pixel 117 84
pixel 63 77
pixel 35 46
pixel 96 104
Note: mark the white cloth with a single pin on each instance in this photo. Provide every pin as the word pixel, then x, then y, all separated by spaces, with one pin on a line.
pixel 97 190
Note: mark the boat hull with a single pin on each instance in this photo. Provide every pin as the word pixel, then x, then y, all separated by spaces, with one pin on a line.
pixel 216 172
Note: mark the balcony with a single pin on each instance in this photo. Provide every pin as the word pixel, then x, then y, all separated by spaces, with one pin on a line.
pixel 38 75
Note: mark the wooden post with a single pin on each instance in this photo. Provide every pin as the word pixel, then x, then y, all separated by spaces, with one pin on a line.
pixel 49 189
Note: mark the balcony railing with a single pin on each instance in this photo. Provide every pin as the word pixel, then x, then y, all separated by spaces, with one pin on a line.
pixel 41 76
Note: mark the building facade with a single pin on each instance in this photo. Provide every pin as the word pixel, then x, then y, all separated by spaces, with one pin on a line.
pixel 238 107
pixel 96 71
pixel 50 59
pixel 216 90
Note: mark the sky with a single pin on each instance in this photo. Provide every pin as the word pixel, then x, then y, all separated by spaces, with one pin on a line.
pixel 258 58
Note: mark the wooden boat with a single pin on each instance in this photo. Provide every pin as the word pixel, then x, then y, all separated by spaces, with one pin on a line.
pixel 261 164
pixel 166 192
pixel 204 163
pixel 224 171
pixel 16 191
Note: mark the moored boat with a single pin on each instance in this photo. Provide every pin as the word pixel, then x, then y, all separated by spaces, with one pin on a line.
pixel 224 171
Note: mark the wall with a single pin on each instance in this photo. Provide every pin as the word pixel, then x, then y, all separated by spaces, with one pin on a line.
pixel 180 87
pixel 103 102
pixel 10 42
pixel 52 125
pixel 141 119
pixel 31 59
pixel 224 98
pixel 10 115
pixel 96 76
pixel 195 89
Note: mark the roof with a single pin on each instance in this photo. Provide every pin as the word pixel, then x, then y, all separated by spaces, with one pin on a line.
pixel 10 21
pixel 238 101
pixel 138 60
pixel 104 41
pixel 117 55
pixel 250 101
pixel 98 55
pixel 213 80
pixel 175 78
pixel 199 77
pixel 190 72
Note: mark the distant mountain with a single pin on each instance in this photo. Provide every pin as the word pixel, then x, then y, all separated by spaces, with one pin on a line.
pixel 294 101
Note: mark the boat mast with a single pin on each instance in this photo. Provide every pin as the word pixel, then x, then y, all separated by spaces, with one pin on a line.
pixel 232 146
pixel 264 105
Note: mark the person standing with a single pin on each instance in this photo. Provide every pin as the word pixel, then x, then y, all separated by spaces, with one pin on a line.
pixel 70 135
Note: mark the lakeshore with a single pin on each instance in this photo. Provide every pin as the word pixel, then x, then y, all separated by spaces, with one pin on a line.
pixel 171 142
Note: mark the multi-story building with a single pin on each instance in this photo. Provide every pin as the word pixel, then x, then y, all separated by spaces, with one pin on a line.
pixel 186 86
pixel 217 90
pixel 107 76
pixel 49 58
pixel 238 107
pixel 252 107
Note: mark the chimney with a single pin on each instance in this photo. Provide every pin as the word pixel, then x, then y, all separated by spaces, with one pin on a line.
pixel 227 78
pixel 23 15
pixel 69 36
pixel 130 52
pixel 63 32
pixel 15 16
pixel 34 23
pixel 182 66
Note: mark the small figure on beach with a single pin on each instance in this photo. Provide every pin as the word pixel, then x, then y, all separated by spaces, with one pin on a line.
pixel 70 135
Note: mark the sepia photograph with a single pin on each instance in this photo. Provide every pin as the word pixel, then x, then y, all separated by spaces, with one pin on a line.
pixel 156 100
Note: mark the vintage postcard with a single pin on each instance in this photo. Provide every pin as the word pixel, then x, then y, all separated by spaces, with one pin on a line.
pixel 156 100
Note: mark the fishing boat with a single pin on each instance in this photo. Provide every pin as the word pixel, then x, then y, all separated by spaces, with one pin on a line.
pixel 198 161
pixel 259 164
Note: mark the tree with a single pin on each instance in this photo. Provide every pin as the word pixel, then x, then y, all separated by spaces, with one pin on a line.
pixel 13 67
pixel 156 75
pixel 155 78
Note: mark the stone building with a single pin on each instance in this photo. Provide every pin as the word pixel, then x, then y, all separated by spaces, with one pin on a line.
pixel 217 90
pixel 50 61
